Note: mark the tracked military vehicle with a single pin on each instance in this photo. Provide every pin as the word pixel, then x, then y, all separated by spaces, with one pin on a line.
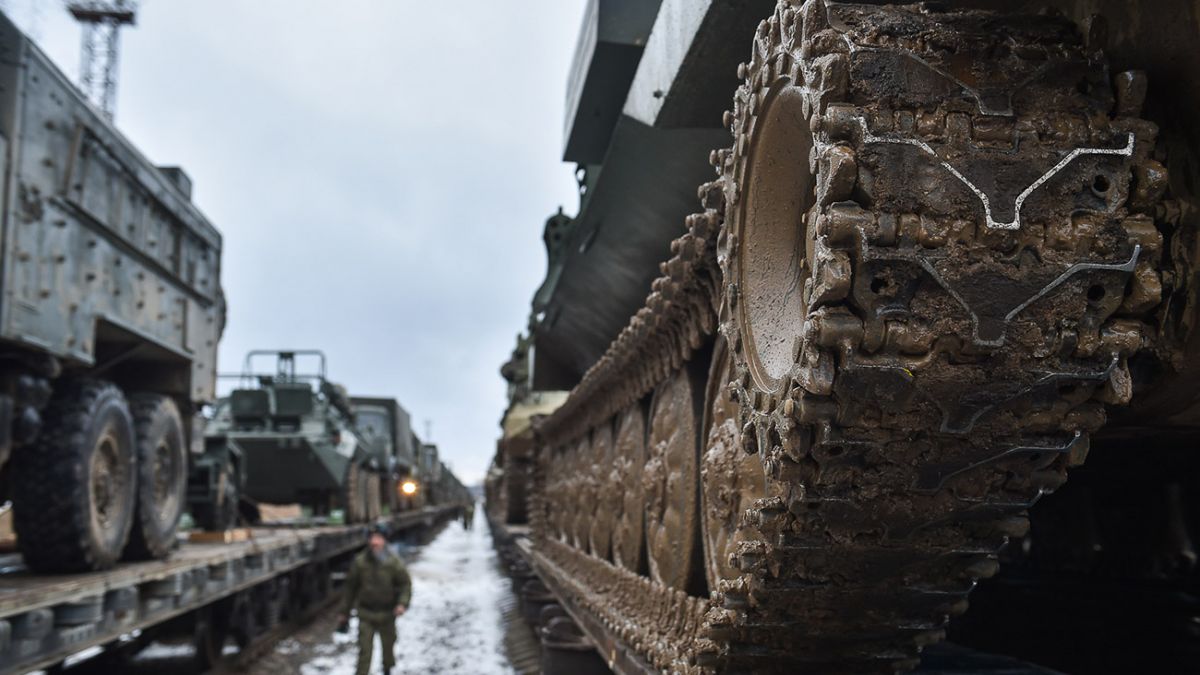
pixel 287 437
pixel 510 475
pixel 945 247
pixel 110 314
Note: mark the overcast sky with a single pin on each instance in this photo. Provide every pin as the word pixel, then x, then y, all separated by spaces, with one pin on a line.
pixel 380 170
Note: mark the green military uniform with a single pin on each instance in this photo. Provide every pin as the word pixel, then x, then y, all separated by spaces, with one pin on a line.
pixel 376 587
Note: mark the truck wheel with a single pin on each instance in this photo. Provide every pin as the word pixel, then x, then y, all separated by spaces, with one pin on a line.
pixel 162 475
pixel 74 491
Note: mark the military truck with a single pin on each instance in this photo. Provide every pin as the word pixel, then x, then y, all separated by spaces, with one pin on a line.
pixel 287 437
pixel 429 471
pixel 110 313
pixel 386 426
pixel 937 251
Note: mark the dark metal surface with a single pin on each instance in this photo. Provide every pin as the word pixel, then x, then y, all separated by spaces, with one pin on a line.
pixel 610 45
pixel 644 189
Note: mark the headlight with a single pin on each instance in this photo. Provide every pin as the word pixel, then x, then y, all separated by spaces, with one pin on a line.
pixel 408 487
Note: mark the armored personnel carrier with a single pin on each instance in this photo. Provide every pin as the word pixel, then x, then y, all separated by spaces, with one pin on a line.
pixel 288 437
pixel 110 313
pixel 945 247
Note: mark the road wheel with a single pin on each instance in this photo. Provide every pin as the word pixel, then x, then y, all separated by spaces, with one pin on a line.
pixel 583 495
pixel 671 482
pixel 730 480
pixel 604 507
pixel 631 458
pixel 162 475
pixel 74 491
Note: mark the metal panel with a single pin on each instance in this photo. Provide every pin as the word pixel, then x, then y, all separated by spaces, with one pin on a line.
pixel 606 57
pixel 688 72
pixel 645 189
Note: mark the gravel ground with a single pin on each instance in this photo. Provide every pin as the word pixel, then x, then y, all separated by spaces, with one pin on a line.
pixel 454 625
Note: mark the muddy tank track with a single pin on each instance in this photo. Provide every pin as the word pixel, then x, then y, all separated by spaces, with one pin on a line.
pixel 931 251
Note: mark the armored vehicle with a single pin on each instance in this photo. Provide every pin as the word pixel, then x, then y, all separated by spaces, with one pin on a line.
pixel 509 477
pixel 110 314
pixel 939 250
pixel 287 437
pixel 387 428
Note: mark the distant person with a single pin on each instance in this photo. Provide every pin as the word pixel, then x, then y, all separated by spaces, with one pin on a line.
pixel 468 515
pixel 379 587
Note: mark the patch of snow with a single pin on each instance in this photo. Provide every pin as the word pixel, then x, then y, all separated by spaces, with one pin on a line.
pixel 158 650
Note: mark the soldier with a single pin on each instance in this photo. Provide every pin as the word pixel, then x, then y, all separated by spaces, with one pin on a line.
pixel 377 585
pixel 468 515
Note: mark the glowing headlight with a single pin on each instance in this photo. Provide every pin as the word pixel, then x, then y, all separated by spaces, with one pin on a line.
pixel 408 487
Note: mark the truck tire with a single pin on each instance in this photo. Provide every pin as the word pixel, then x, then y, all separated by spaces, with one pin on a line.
pixel 74 490
pixel 162 475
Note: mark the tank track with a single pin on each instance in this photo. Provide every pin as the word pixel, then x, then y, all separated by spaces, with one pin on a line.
pixel 981 261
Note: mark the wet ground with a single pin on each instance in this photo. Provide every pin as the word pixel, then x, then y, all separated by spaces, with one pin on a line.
pixel 454 625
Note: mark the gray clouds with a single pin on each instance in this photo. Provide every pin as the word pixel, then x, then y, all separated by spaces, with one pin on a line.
pixel 380 172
